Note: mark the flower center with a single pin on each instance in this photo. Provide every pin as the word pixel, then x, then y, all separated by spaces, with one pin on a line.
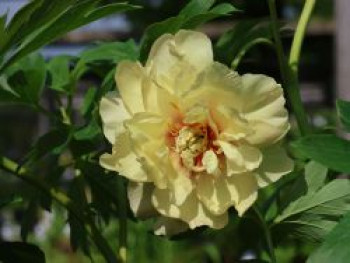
pixel 190 144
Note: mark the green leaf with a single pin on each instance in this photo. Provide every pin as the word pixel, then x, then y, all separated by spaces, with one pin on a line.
pixel 27 78
pixel 77 15
pixel 326 149
pixel 78 234
pixel 335 248
pixel 195 13
pixel 234 43
pixel 315 213
pixel 88 101
pixel 20 252
pixel 315 176
pixel 58 68
pixel 343 108
pixel 217 11
pixel 90 131
pixel 106 52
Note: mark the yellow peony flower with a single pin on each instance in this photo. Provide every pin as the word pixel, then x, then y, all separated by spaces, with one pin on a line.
pixel 193 136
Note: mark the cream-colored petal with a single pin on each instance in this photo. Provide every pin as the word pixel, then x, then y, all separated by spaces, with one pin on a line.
pixel 216 193
pixel 215 86
pixel 139 195
pixel 275 164
pixel 231 125
pixel 147 134
pixel 129 77
pixel 166 226
pixel 247 189
pixel 179 180
pixel 263 107
pixel 191 211
pixel 123 160
pixel 175 60
pixel 113 114
pixel 210 162
pixel 240 158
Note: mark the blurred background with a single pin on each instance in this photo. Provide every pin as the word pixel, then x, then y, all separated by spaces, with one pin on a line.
pixel 324 74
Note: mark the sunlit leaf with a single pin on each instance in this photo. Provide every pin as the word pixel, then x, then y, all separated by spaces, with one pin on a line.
pixel 335 248
pixel 344 113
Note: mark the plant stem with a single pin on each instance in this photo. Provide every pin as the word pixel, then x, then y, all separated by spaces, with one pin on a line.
pixel 20 172
pixel 122 201
pixel 289 77
pixel 300 34
pixel 267 235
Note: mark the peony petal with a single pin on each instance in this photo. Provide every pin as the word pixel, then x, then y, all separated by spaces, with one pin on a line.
pixel 275 164
pixel 175 61
pixel 147 133
pixel 215 86
pixel 247 190
pixel 113 114
pixel 167 226
pixel 263 107
pixel 123 160
pixel 216 193
pixel 139 195
pixel 129 77
pixel 191 211
pixel 210 162
pixel 240 158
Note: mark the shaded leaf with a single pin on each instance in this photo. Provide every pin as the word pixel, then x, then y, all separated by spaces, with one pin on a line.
pixel 326 149
pixel 58 68
pixel 315 176
pixel 19 252
pixel 343 108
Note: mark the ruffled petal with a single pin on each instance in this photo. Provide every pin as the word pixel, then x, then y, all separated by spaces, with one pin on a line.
pixel 113 114
pixel 247 189
pixel 191 211
pixel 215 86
pixel 263 107
pixel 147 134
pixel 240 158
pixel 123 160
pixel 175 60
pixel 166 226
pixel 139 195
pixel 216 193
pixel 129 77
pixel 275 164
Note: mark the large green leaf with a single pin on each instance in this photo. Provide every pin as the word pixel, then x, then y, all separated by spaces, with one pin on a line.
pixel 27 79
pixel 343 108
pixel 314 214
pixel 315 176
pixel 20 252
pixel 326 149
pixel 335 248
pixel 73 16
pixel 59 69
pixel 195 13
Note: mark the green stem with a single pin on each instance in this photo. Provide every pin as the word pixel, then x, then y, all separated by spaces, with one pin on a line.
pixel 122 205
pixel 267 234
pixel 289 77
pixel 300 34
pixel 20 172
pixel 244 50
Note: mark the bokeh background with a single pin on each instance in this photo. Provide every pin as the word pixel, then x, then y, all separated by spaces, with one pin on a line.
pixel 324 75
